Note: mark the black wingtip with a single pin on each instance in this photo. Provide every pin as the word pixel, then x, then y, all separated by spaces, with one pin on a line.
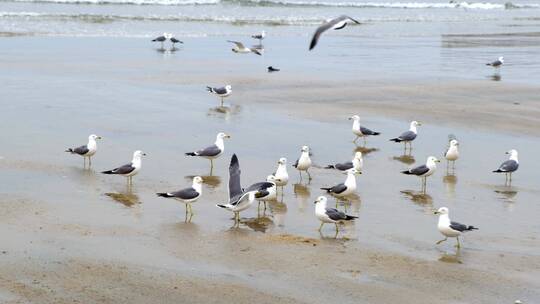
pixel 107 172
pixel 395 140
pixel 406 172
pixel 326 189
pixel 351 217
pixel 497 171
pixel 472 228
pixel 221 206
pixel 376 133
pixel 330 167
pixel 69 150
pixel 162 194
pixel 191 154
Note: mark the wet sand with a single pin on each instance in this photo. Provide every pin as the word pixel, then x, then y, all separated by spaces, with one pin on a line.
pixel 74 235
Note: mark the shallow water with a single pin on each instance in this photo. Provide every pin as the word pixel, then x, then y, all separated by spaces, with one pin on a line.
pixel 49 105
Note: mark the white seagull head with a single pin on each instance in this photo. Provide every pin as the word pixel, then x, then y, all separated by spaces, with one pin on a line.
pixel 358 155
pixel 138 154
pixel 513 154
pixel 454 143
pixel 272 179
pixel 222 135
pixel 197 180
pixel 228 87
pixel 501 59
pixel 321 200
pixel 353 171
pixel 305 149
pixel 442 210
pixel 282 161
pixel 432 160
pixel 355 118
pixel 415 123
pixel 94 137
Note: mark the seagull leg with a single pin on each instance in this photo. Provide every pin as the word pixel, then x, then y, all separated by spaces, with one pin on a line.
pixel 300 172
pixel 337 227
pixel 354 141
pixel 445 239
pixel 185 218
pixel 309 175
pixel 222 102
pixel 365 141
pixel 458 243
pixel 89 161
pixel 320 227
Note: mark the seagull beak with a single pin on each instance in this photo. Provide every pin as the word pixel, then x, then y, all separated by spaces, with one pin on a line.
pixel 350 118
pixel 436 212
pixel 438 161
pixel 315 202
pixel 227 136
pixel 506 152
pixel 419 124
pixel 144 154
pixel 99 137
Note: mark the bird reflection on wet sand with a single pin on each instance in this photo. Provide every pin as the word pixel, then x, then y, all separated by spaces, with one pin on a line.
pixel 303 193
pixel 450 182
pixel 279 211
pixel 405 158
pixel 451 258
pixel 495 77
pixel 128 199
pixel 259 224
pixel 365 150
pixel 507 194
pixel 224 111
pixel 418 198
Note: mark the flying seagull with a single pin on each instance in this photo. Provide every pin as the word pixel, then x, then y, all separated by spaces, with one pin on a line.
pixel 452 153
pixel 239 199
pixel 330 215
pixel 281 175
pixel 360 131
pixel 221 92
pixel 497 63
pixel 187 195
pixel 449 228
pixel 271 69
pixel 304 162
pixel 346 188
pixel 356 163
pixel 260 36
pixel 240 48
pixel 130 169
pixel 424 171
pixel 408 136
pixel 212 152
pixel 336 24
pixel 88 150
pixel 510 166
pixel 266 191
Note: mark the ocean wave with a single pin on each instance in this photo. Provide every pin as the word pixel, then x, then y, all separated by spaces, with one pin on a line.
pixel 395 5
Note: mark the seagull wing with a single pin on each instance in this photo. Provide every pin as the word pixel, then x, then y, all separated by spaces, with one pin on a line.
pixel 509 166
pixel 240 45
pixel 82 150
pixel 328 25
pixel 213 150
pixel 335 214
pixel 234 177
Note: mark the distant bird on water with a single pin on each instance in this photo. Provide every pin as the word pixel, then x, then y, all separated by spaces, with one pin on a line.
pixel 336 24
pixel 346 188
pixel 357 163
pixel 497 63
pixel 221 92
pixel 130 169
pixel 187 195
pixel 304 162
pixel 408 136
pixel 423 171
pixel 260 36
pixel 175 41
pixel 162 38
pixel 271 69
pixel 88 150
pixel 449 228
pixel 212 152
pixel 510 166
pixel 452 153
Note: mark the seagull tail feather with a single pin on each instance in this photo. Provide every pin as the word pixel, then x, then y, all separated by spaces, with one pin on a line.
pixel 191 154
pixel 498 171
pixel 70 150
pixel 376 133
pixel 163 194
pixel 471 228
pixel 222 206
pixel 209 89
pixel 406 172
pixel 350 217
pixel 395 140
pixel 108 172
pixel 326 189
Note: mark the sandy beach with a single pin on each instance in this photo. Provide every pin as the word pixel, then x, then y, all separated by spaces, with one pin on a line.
pixel 71 235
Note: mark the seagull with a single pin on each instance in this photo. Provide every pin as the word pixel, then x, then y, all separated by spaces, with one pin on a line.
pixel 187 195
pixel 360 131
pixel 161 39
pixel 130 169
pixel 240 48
pixel 88 150
pixel 408 136
pixel 336 24
pixel 221 92
pixel 281 175
pixel 346 188
pixel 239 199
pixel 260 36
pixel 356 163
pixel 452 154
pixel 497 63
pixel 449 228
pixel 271 69
pixel 510 166
pixel 304 162
pixel 174 40
pixel 212 152
pixel 266 191
pixel 330 215
pixel 424 171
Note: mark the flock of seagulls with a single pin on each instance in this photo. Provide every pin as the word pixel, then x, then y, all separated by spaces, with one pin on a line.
pixel 240 199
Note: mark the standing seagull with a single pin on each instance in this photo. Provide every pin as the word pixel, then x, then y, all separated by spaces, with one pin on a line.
pixel 346 188
pixel 161 39
pixel 360 131
pixel 449 228
pixel 212 152
pixel 356 163
pixel 130 169
pixel 304 162
pixel 330 215
pixel 266 191
pixel 281 175
pixel 424 171
pixel 86 151
pixel 408 136
pixel 259 37
pixel 336 24
pixel 510 166
pixel 221 92
pixel 241 49
pixel 497 63
pixel 174 40
pixel 239 200
pixel 187 195
pixel 452 154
